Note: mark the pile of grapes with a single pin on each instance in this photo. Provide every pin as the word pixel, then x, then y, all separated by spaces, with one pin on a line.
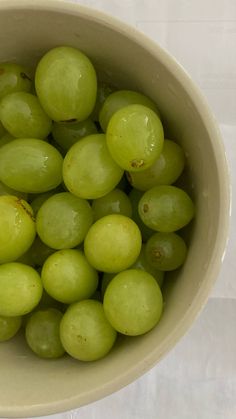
pixel 88 210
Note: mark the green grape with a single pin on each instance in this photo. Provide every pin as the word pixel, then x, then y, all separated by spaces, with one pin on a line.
pixel 9 326
pixel 39 200
pixel 120 99
pixel 133 302
pixel 89 172
pixel 23 117
pixel 2 130
pixel 85 332
pixel 113 243
pixel 166 208
pixel 30 165
pixel 165 170
pixel 66 84
pixel 68 277
pixel 103 91
pixel 143 263
pixel 39 252
pixel 166 251
pixel 14 78
pixel 67 134
pixel 115 202
pixel 6 138
pixel 42 333
pixel 135 137
pixel 63 221
pixel 5 190
pixel 20 289
pixel 135 197
pixel 17 228
pixel 106 279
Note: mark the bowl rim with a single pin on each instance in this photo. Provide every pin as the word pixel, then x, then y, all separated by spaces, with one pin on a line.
pixel 134 372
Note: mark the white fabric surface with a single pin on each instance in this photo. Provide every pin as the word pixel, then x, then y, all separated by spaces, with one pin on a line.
pixel 197 380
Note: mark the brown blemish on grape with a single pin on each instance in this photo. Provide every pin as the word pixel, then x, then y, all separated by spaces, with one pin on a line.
pixel 145 208
pixel 70 120
pixel 81 338
pixel 2 71
pixel 24 76
pixel 21 203
pixel 129 177
pixel 156 254
pixel 137 163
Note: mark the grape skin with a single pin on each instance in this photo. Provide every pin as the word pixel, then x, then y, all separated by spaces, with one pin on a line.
pixel 20 289
pixel 23 117
pixel 63 221
pixel 85 332
pixel 113 243
pixel 89 171
pixel 66 84
pixel 166 208
pixel 21 162
pixel 42 333
pixel 133 302
pixel 135 137
pixel 17 228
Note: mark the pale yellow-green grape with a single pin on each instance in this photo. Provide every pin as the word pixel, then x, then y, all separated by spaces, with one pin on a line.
pixel 68 277
pixel 5 190
pixel 135 137
pixel 17 228
pixel 113 243
pixel 9 326
pixel 20 289
pixel 30 165
pixel 115 202
pixel 166 208
pixel 133 302
pixel 67 134
pixel 63 221
pixel 66 84
pixel 14 78
pixel 164 171
pixel 89 171
pixel 85 332
pixel 23 117
pixel 42 333
pixel 118 100
pixel 143 263
pixel 166 251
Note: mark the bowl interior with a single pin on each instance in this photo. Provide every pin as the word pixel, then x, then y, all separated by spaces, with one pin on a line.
pixel 31 386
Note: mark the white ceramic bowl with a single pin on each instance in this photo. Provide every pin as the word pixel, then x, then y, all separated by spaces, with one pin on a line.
pixel 31 386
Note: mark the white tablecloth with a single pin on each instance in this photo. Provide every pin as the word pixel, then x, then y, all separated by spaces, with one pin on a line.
pixel 197 380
